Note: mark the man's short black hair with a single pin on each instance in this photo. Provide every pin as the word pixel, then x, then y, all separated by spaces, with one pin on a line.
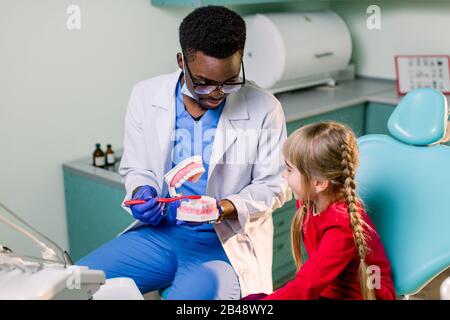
pixel 214 30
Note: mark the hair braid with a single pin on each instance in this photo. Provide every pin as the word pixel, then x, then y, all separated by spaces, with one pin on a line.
pixel 357 223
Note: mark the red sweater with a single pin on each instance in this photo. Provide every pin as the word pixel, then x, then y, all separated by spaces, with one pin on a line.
pixel 331 271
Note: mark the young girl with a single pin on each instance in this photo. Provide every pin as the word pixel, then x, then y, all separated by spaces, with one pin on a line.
pixel 346 259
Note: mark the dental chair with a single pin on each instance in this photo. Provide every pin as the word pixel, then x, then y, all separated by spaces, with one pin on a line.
pixel 404 182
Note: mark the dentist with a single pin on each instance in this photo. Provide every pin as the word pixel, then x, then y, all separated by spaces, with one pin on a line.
pixel 206 108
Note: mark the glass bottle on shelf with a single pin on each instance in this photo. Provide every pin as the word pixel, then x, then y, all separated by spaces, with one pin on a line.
pixel 110 157
pixel 98 158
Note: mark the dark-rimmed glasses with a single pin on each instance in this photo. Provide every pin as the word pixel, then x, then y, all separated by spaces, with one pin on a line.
pixel 227 87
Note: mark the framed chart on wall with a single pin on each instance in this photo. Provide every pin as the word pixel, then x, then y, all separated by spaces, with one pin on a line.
pixel 422 71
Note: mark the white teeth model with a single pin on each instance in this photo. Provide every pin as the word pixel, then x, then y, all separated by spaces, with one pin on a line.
pixel 192 175
pixel 195 159
pixel 201 210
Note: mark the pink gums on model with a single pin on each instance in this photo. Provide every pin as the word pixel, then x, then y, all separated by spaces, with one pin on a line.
pixel 203 209
pixel 185 171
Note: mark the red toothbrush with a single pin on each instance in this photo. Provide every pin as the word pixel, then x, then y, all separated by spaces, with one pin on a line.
pixel 163 200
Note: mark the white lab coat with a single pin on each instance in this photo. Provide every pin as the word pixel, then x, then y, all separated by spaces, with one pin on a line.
pixel 255 188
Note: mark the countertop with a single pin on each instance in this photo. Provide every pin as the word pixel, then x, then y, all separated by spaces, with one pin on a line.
pixel 297 105
pixel 84 167
pixel 309 102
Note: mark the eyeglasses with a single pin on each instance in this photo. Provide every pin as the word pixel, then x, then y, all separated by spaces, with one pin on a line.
pixel 227 87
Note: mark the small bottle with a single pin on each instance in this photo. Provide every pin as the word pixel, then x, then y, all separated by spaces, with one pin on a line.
pixel 98 157
pixel 109 157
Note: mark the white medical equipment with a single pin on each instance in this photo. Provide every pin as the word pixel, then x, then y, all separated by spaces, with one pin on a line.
pixel 286 51
pixel 23 278
pixel 445 289
pixel 53 276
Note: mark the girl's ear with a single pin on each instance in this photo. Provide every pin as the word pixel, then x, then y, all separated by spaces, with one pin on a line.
pixel 321 185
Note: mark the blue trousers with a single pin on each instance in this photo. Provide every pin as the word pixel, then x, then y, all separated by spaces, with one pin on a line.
pixel 193 262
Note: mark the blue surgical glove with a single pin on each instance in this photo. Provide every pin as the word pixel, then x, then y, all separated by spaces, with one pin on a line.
pixel 150 212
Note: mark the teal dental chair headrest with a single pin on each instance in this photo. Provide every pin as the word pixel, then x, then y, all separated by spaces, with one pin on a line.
pixel 420 118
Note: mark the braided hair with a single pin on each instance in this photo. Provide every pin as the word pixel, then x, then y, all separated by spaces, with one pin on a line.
pixel 349 162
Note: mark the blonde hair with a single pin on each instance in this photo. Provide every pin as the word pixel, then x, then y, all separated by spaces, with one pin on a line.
pixel 328 150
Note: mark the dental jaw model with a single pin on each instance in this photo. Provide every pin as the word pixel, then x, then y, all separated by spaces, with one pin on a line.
pixel 190 169
pixel 201 210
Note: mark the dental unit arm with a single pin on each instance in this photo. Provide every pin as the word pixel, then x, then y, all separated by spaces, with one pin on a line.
pixel 47 252
pixel 48 277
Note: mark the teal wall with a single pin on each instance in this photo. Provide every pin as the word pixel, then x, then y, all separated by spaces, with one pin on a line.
pixel 377 115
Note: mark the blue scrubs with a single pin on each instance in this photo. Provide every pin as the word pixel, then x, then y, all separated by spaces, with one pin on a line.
pixel 194 138
pixel 188 257
pixel 156 257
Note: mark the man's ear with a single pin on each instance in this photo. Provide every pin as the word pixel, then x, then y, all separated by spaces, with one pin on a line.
pixel 320 185
pixel 180 60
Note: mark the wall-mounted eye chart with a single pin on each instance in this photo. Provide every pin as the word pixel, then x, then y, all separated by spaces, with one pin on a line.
pixel 422 71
